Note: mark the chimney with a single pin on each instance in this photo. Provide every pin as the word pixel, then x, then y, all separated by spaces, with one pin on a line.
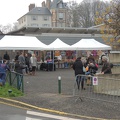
pixel 48 2
pixel 43 4
pixel 31 6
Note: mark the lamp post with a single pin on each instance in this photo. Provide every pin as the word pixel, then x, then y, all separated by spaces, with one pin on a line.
pixel 59 84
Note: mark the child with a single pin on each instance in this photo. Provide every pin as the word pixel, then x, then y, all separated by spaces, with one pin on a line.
pixel 3 68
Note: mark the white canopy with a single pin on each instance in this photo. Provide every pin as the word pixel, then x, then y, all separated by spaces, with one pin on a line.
pixel 21 43
pixel 89 44
pixel 58 45
pixel 32 43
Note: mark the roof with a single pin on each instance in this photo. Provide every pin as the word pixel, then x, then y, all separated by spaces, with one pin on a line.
pixel 70 30
pixel 1 36
pixel 39 11
pixel 67 39
pixel 55 2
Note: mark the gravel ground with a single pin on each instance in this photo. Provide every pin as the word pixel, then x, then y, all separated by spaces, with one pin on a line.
pixel 42 90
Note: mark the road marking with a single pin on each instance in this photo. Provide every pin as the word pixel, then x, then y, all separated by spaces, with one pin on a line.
pixel 28 118
pixel 52 111
pixel 50 116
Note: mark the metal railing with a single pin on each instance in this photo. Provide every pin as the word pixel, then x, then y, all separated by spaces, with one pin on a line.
pixel 98 88
pixel 16 80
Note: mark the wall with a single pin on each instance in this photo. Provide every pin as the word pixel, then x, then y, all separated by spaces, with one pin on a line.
pixel 114 57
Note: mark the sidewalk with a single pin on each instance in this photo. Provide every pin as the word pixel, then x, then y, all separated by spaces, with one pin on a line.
pixel 42 91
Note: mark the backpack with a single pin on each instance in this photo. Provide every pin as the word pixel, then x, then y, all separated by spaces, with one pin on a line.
pixel 111 65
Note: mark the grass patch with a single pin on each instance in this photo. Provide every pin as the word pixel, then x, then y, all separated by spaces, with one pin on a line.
pixel 4 91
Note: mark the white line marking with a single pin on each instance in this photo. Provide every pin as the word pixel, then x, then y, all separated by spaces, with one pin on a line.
pixel 50 116
pixel 28 118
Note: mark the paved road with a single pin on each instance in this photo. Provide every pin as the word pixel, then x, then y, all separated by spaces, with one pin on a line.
pixel 8 112
pixel 42 91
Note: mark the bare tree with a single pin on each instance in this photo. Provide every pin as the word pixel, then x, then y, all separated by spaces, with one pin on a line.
pixel 72 14
pixel 83 14
pixel 9 27
pixel 15 26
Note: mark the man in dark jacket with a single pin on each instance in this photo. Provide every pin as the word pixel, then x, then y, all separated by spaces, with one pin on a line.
pixel 78 68
pixel 6 57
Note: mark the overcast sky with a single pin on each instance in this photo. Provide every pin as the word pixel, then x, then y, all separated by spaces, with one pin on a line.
pixel 11 10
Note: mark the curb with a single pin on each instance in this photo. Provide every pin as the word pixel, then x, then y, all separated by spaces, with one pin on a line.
pixel 28 106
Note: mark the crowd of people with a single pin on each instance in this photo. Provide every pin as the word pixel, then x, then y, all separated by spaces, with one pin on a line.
pixel 24 63
pixel 89 67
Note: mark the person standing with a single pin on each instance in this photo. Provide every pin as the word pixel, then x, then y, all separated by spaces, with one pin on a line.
pixel 33 62
pixel 106 68
pixel 27 62
pixel 21 60
pixel 3 68
pixel 18 67
pixel 78 69
pixel 16 57
pixel 6 57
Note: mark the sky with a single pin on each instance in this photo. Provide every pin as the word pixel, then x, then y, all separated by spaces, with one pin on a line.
pixel 12 10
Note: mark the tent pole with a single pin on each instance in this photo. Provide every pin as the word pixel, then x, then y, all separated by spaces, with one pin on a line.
pixel 53 60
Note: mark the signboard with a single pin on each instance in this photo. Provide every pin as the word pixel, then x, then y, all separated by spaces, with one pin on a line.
pixel 95 80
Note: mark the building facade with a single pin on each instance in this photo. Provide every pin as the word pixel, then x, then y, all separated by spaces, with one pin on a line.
pixel 51 14
pixel 36 17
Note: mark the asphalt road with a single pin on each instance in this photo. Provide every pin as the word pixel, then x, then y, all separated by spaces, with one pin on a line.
pixel 9 112
pixel 41 90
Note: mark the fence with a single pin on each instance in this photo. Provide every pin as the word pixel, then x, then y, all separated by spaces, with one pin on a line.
pixel 15 80
pixel 98 88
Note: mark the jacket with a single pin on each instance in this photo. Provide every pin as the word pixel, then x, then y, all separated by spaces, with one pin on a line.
pixel 78 67
pixel 106 68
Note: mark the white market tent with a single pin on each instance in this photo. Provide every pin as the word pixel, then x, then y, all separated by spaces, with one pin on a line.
pixel 58 45
pixel 9 42
pixel 89 44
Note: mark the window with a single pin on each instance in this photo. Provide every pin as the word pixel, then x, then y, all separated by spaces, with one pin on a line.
pixel 19 21
pixel 34 17
pixel 46 25
pixel 60 15
pixel 60 5
pixel 34 25
pixel 24 19
pixel 45 18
